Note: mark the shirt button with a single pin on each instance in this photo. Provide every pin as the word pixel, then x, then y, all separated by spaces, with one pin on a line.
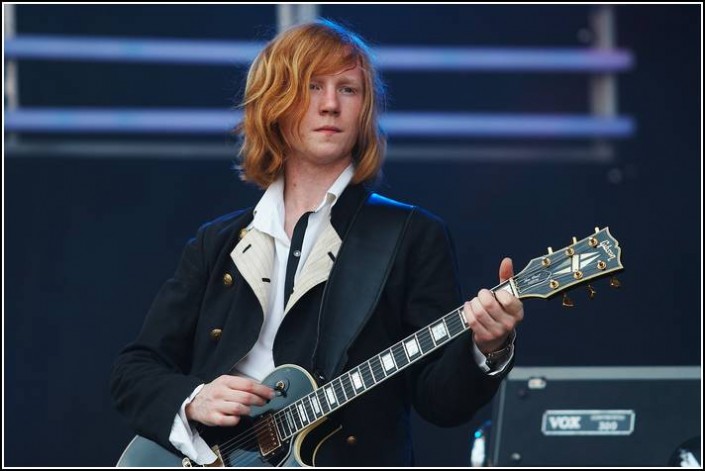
pixel 351 440
pixel 215 334
pixel 297 253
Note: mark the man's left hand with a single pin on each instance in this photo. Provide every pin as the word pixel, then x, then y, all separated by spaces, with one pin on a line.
pixel 492 317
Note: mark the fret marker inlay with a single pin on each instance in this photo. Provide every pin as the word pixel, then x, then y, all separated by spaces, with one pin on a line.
pixel 388 362
pixel 357 382
pixel 412 347
pixel 439 331
pixel 331 395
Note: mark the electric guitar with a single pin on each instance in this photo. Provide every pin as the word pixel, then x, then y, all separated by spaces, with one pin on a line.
pixel 287 432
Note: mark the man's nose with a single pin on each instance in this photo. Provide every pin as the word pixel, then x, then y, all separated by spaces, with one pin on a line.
pixel 330 103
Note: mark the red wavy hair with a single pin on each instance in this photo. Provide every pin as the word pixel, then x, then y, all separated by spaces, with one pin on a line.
pixel 278 86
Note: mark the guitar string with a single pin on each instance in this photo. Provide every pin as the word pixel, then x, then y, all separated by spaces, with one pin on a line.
pixel 378 375
pixel 249 437
pixel 375 371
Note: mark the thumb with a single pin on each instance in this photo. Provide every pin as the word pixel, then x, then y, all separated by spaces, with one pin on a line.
pixel 506 269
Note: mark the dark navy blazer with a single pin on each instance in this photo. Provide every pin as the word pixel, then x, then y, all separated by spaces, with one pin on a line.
pixel 207 317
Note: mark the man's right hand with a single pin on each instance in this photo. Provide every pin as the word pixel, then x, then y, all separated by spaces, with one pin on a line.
pixel 224 400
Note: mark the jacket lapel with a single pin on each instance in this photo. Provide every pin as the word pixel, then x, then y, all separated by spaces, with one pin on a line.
pixel 254 259
pixel 318 264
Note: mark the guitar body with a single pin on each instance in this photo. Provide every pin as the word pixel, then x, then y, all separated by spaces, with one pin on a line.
pixel 239 446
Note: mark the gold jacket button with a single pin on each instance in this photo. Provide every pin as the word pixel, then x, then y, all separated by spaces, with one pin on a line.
pixel 228 279
pixel 215 334
pixel 351 440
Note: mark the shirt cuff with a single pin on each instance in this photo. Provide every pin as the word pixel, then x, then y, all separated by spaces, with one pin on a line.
pixel 498 368
pixel 186 438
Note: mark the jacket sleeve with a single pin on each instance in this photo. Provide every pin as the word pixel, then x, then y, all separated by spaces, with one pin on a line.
pixel 447 387
pixel 149 380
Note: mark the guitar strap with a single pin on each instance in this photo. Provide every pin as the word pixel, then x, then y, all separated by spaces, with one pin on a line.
pixel 357 279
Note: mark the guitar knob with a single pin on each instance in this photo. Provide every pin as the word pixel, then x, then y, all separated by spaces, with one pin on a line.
pixel 614 282
pixel 567 302
pixel 591 292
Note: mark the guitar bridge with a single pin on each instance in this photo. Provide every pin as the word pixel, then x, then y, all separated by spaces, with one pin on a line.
pixel 267 438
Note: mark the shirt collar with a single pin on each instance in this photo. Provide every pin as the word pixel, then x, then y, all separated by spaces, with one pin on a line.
pixel 269 212
pixel 338 186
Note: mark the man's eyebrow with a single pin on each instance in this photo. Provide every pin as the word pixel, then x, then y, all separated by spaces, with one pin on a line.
pixel 340 80
pixel 352 82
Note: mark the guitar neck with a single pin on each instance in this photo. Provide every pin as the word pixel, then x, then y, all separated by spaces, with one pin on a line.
pixel 365 376
pixel 591 257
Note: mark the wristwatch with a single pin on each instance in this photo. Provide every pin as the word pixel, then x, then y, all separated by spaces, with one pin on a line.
pixel 493 359
pixel 498 357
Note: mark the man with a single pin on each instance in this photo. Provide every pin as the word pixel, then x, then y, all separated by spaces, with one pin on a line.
pixel 252 290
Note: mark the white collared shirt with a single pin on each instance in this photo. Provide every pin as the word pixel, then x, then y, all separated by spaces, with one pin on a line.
pixel 269 219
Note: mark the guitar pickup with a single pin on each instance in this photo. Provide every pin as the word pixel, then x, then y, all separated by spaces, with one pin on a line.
pixel 267 438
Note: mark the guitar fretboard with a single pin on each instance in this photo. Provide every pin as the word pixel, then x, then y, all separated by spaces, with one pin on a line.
pixel 335 394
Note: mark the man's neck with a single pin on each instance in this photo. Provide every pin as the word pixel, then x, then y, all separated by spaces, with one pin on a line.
pixel 305 186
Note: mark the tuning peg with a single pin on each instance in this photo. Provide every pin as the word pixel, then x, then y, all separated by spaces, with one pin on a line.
pixel 614 282
pixel 550 250
pixel 591 292
pixel 567 302
pixel 575 240
pixel 597 229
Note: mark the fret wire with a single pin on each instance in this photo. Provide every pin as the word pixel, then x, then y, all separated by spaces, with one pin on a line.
pixel 393 367
pixel 455 325
pixel 297 420
pixel 399 355
pixel 279 426
pixel 313 400
pixel 371 382
pixel 347 386
pixel 309 409
pixel 338 390
pixel 461 317
pixel 357 373
pixel 305 419
pixel 330 396
pixel 418 343
pixel 425 342
pixel 323 402
pixel 445 324
pixel 290 418
pixel 430 336
pixel 370 373
pixel 375 369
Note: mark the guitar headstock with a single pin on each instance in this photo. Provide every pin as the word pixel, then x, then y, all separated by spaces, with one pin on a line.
pixel 592 257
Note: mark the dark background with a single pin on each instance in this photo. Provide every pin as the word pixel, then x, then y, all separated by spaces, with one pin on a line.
pixel 89 241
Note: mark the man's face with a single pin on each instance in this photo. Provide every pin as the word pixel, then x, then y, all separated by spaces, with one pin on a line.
pixel 329 129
